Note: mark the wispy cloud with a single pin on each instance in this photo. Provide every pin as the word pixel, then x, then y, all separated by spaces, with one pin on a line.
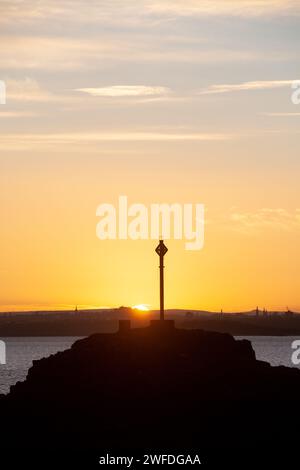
pixel 30 91
pixel 126 90
pixel 14 141
pixel 131 31
pixel 26 89
pixel 281 114
pixel 17 114
pixel 59 53
pixel 246 86
pixel 137 11
pixel 224 7
pixel 265 218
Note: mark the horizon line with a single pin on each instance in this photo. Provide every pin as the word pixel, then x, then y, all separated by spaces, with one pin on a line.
pixel 87 308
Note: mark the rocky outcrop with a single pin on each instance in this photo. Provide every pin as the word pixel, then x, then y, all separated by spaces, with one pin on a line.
pixel 156 387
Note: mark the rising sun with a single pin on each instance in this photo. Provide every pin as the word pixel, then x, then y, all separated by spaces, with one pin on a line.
pixel 141 307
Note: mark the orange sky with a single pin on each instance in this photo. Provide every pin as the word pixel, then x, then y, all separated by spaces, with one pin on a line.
pixel 177 103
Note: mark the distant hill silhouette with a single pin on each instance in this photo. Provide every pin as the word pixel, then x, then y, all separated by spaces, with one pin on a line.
pixel 84 323
pixel 157 388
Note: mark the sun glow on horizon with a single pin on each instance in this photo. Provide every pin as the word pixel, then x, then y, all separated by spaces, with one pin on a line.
pixel 141 307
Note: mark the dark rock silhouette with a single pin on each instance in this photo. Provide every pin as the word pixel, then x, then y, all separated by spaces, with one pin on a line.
pixel 157 388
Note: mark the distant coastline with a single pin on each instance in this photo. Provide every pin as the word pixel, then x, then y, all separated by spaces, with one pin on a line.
pixel 86 322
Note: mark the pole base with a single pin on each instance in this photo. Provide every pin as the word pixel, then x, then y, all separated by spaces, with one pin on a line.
pixel 162 324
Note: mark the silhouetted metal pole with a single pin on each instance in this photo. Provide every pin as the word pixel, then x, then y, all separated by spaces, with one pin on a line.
pixel 161 250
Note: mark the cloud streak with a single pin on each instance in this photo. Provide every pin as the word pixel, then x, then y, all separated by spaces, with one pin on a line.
pixel 126 91
pixel 41 141
pixel 17 114
pixel 27 89
pixel 263 219
pixel 246 86
pixel 281 114
pixel 224 7
pixel 61 53
pixel 137 12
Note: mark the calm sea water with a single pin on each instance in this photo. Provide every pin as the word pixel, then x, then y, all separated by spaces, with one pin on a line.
pixel 277 350
pixel 20 352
